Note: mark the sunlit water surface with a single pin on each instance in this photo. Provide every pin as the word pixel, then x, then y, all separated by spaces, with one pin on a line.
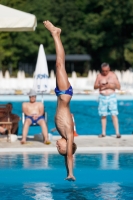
pixel 107 176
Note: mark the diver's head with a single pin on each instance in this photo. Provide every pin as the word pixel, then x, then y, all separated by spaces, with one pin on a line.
pixel 62 146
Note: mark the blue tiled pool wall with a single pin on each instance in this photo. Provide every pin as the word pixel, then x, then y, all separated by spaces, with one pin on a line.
pixel 86 117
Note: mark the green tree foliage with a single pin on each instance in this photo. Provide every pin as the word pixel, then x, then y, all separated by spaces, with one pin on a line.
pixel 103 29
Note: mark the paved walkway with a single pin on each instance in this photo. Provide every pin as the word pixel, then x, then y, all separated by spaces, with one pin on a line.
pixel 84 144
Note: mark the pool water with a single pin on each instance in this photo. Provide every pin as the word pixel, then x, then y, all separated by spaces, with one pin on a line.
pixel 86 117
pixel 106 176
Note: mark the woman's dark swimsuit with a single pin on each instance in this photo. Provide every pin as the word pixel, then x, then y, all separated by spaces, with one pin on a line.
pixel 69 91
pixel 34 121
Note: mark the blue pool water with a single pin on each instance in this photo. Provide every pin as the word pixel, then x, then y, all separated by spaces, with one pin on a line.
pixel 86 117
pixel 106 176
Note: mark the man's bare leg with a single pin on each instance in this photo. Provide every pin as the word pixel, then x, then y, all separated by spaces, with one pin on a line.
pixel 42 123
pixel 103 122
pixel 27 123
pixel 61 76
pixel 116 125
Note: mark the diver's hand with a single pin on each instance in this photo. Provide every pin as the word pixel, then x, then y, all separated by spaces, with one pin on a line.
pixel 70 178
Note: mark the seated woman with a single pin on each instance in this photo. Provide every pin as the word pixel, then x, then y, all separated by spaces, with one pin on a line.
pixel 64 92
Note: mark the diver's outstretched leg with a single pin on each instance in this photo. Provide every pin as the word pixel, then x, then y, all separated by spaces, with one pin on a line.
pixel 61 76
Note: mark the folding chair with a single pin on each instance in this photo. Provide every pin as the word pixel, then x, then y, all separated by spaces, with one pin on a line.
pixel 4 113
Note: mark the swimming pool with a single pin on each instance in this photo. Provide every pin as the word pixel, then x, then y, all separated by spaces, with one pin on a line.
pixel 106 176
pixel 86 117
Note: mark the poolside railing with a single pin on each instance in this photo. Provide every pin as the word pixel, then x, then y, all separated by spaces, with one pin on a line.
pixel 22 85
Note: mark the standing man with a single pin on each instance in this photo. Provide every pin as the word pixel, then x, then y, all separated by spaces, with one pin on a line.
pixel 107 82
pixel 34 114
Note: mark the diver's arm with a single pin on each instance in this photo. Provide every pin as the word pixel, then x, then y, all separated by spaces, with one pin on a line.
pixel 70 158
pixel 65 157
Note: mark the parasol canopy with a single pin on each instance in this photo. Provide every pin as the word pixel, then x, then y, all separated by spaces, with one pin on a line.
pixel 16 20
pixel 41 76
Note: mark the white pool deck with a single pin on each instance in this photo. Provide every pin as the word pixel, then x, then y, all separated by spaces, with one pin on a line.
pixel 85 144
pixel 47 97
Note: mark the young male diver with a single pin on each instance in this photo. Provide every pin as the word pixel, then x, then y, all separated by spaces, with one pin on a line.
pixel 64 92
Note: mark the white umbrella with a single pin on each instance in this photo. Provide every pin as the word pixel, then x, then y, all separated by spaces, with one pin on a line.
pixel 16 20
pixel 41 76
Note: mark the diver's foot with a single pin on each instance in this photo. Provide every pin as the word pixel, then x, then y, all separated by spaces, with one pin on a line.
pixel 118 136
pixel 101 135
pixel 53 30
pixel 70 178
pixel 47 142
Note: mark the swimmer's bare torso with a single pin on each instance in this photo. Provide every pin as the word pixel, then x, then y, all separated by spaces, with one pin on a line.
pixel 33 109
pixel 63 118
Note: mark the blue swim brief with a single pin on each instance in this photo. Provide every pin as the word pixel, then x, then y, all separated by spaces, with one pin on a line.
pixel 34 121
pixel 107 105
pixel 69 91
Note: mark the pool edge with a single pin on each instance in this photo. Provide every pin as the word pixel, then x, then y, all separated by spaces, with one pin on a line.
pixel 79 150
